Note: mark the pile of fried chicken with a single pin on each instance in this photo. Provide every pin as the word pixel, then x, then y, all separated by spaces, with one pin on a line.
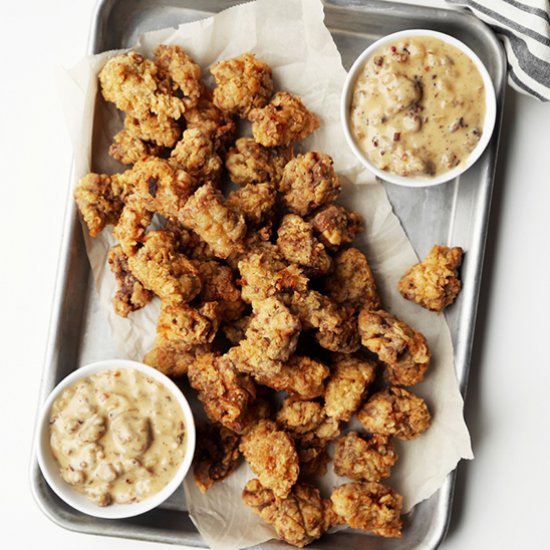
pixel 260 289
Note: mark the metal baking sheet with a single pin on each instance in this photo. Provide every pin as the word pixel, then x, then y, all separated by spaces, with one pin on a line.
pixel 455 213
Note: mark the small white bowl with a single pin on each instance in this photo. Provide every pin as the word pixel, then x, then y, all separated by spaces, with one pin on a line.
pixel 50 467
pixel 488 125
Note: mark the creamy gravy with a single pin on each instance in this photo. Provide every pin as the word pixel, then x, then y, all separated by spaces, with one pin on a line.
pixel 418 107
pixel 118 435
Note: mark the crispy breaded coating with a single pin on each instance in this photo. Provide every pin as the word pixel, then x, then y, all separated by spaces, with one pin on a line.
pixel 216 455
pixel 273 330
pixel 128 149
pixel 170 359
pixel 312 454
pixel 161 187
pixel 249 162
pixel 131 295
pixel 216 224
pixel 242 83
pixel 131 82
pixel 309 181
pixel 336 327
pixel 299 519
pixel 298 245
pixel 211 120
pixel 271 454
pixel 256 202
pixel 195 154
pixel 235 330
pixel 98 204
pixel 160 268
pixel 301 377
pixel 132 225
pixel 225 393
pixel 152 128
pixel 434 283
pixel 174 62
pixel 185 327
pixel 300 416
pixel 348 385
pixel 284 120
pixel 352 282
pixel 336 226
pixel 403 350
pixel 395 411
pixel 369 506
pixel 218 285
pixel 364 459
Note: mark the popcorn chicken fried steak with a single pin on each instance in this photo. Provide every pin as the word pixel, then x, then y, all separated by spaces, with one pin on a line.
pixel 434 283
pixel 239 314
pixel 299 519
pixel 369 506
pixel 272 456
pixel 242 84
pixel 403 350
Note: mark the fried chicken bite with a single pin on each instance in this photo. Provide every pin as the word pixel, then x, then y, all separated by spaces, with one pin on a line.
pixel 299 519
pixel 348 385
pixel 235 330
pixel 131 82
pixel 163 270
pixel 153 129
pixel 256 202
pixel 271 454
pixel 282 121
pixel 434 283
pixel 298 245
pixel 242 83
pixel 403 350
pixel 218 285
pixel 336 226
pixel 175 63
pixel 395 411
pixel 225 393
pixel 132 225
pixel 369 506
pixel 301 377
pixel 128 149
pixel 300 416
pixel 309 181
pixel 170 359
pixel 249 162
pixel 195 153
pixel 208 118
pixel 364 458
pixel 216 224
pixel 216 455
pixel 97 201
pixel 336 327
pixel 352 283
pixel 131 295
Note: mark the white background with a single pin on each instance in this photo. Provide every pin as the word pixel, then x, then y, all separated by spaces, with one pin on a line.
pixel 501 498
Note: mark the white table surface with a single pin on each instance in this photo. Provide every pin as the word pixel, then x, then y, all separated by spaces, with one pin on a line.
pixel 501 497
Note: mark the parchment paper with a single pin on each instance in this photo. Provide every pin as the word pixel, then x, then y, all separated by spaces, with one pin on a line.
pixel 291 37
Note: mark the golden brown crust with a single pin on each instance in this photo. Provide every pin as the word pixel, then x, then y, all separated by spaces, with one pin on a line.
pixel 256 202
pixel 336 226
pixel 128 149
pixel 395 411
pixel 242 84
pixel 309 181
pixel 271 454
pixel 403 350
pixel 369 506
pixel 284 120
pixel 364 459
pixel 434 283
pixel 131 295
pixel 352 283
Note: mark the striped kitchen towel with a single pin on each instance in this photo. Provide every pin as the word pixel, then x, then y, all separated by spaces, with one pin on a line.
pixel 524 26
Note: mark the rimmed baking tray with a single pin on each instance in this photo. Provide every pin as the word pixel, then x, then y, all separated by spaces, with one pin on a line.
pixel 457 212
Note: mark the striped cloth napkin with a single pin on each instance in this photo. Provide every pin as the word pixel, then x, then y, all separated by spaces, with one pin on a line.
pixel 524 27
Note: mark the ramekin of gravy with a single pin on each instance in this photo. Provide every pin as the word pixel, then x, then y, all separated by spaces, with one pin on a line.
pixel 115 438
pixel 418 108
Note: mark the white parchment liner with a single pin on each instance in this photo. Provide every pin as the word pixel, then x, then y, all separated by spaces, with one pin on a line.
pixel 290 35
